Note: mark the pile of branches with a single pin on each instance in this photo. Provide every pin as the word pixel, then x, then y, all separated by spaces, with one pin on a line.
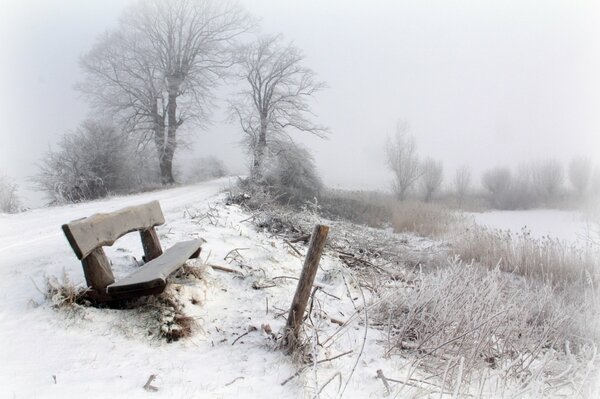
pixel 363 249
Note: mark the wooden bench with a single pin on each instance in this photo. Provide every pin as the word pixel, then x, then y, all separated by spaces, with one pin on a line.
pixel 87 236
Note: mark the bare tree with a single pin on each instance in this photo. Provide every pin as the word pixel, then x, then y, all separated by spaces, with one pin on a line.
pixel 462 183
pixel 158 68
pixel 402 160
pixel 9 200
pixel 580 172
pixel 547 177
pixel 432 174
pixel 497 181
pixel 277 99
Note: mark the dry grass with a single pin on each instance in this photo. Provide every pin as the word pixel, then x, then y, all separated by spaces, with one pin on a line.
pixel 64 294
pixel 473 326
pixel 548 260
pixel 165 314
pixel 423 219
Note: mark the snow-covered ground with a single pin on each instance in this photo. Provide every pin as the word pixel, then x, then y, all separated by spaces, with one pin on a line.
pixel 104 353
pixel 570 226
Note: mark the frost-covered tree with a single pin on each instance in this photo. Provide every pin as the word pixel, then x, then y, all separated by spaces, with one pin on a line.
pixel 402 160
pixel 580 172
pixel 9 200
pixel 547 178
pixel 432 174
pixel 276 100
pixel 157 69
pixel 497 182
pixel 462 183
pixel 290 172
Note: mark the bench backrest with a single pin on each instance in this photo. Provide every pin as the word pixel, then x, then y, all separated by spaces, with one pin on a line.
pixel 87 234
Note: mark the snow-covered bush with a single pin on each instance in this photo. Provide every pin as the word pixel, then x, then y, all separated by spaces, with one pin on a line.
pixel 290 173
pixel 91 162
pixel 9 201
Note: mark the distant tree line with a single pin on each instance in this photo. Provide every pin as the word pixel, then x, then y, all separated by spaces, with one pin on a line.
pixel 155 74
pixel 534 184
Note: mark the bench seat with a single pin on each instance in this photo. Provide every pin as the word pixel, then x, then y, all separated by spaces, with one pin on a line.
pixel 151 278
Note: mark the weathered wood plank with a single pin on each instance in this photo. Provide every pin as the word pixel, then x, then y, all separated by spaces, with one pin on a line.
pixel 101 229
pixel 153 275
pixel 307 278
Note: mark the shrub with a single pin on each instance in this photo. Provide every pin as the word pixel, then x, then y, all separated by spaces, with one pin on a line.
pixel 91 162
pixel 289 172
pixel 9 201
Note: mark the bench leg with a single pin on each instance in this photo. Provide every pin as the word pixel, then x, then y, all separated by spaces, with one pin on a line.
pixel 97 271
pixel 196 254
pixel 151 244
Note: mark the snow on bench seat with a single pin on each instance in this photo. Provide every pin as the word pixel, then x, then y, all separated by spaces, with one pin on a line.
pixel 153 275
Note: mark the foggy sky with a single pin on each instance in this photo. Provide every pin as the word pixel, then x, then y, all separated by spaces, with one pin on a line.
pixel 481 83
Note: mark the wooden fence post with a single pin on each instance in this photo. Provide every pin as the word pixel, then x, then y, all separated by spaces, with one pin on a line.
pixel 307 278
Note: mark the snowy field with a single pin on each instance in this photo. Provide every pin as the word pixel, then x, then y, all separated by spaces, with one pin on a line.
pixel 570 226
pixel 102 353
pixel 63 353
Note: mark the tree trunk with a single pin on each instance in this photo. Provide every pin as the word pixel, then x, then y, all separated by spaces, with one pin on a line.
pixel 259 152
pixel 171 142
pixel 159 139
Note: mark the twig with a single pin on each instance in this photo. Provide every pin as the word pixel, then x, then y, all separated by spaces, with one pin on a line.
pixel 364 340
pixel 237 251
pixel 318 362
pixel 304 238
pixel 240 337
pixel 226 269
pixel 385 382
pixel 338 375
pixel 462 335
pixel 148 387
pixel 234 380
pixel 327 293
pixel 288 277
pixel 293 247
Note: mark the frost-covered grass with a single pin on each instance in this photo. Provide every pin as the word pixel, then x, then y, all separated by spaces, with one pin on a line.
pixel 488 332
pixel 551 261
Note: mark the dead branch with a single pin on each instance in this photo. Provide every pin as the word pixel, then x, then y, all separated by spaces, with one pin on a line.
pixel 293 247
pixel 226 269
pixel 234 380
pixel 148 387
pixel 304 238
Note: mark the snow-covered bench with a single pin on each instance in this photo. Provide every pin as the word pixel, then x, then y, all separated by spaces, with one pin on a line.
pixel 87 236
